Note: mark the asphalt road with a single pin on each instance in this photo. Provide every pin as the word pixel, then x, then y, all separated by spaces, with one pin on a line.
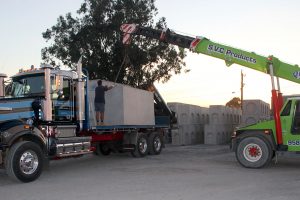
pixel 180 172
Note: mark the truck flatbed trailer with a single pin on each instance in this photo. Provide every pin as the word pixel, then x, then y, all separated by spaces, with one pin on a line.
pixel 111 128
pixel 140 140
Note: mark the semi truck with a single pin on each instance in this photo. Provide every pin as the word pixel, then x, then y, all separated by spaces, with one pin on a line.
pixel 254 145
pixel 45 115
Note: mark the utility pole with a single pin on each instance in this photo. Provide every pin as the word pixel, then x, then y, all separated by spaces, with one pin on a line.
pixel 242 89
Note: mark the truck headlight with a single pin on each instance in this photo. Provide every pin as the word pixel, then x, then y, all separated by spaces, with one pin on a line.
pixel 233 135
pixel 28 124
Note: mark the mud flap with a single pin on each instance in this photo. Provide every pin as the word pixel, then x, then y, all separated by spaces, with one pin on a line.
pixel 1 158
pixel 130 138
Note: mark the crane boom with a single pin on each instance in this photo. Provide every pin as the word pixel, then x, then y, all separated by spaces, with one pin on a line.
pixel 205 46
pixel 270 65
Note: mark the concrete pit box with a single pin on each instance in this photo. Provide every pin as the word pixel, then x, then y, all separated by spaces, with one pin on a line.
pixel 125 105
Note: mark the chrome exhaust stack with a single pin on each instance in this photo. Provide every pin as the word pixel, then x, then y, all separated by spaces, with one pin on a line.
pixel 47 103
pixel 80 94
pixel 2 86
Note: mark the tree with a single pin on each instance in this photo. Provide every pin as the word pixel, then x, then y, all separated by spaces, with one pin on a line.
pixel 96 30
pixel 235 102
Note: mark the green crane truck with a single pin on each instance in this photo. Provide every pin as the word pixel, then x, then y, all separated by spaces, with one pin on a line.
pixel 257 144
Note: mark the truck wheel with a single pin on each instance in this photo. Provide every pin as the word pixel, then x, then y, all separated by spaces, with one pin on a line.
pixel 24 161
pixel 155 144
pixel 141 148
pixel 254 152
pixel 102 149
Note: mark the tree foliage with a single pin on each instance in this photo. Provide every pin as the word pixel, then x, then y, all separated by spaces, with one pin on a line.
pixel 96 30
pixel 235 102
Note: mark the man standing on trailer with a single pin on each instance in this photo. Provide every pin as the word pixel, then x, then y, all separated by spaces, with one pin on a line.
pixel 100 101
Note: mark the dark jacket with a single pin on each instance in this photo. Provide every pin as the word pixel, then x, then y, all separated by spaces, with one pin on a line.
pixel 100 93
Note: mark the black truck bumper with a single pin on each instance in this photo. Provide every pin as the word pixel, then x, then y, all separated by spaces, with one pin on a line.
pixel 233 144
pixel 1 158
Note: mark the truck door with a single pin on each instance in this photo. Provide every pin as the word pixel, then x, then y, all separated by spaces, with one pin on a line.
pixel 290 119
pixel 296 120
pixel 63 99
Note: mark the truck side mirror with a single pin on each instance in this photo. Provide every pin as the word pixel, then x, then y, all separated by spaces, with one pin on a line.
pixel 60 94
pixel 55 84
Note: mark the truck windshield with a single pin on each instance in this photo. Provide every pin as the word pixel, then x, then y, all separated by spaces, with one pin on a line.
pixel 26 86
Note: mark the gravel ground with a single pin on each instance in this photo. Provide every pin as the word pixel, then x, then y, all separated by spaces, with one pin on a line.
pixel 181 172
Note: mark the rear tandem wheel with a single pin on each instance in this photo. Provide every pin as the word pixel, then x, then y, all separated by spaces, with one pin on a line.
pixel 141 148
pixel 155 144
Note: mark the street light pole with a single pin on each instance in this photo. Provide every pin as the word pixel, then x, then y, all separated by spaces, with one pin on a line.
pixel 242 89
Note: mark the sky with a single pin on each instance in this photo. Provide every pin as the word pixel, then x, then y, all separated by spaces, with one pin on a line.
pixel 266 27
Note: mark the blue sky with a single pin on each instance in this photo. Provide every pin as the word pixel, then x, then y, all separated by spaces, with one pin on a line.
pixel 268 27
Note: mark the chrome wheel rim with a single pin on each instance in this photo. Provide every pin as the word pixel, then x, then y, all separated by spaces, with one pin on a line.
pixel 157 144
pixel 143 145
pixel 29 162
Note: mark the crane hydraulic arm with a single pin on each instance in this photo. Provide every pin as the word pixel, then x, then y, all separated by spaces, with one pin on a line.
pixel 270 65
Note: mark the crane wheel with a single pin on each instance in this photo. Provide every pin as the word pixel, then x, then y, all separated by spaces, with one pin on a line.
pixel 254 152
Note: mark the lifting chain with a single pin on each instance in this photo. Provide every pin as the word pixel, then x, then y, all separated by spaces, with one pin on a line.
pixel 125 60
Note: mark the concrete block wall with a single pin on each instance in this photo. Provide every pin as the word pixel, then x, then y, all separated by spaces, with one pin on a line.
pixel 177 137
pixel 255 110
pixel 188 134
pixel 219 114
pixel 222 121
pixel 190 123
pixel 214 125
pixel 124 105
pixel 189 114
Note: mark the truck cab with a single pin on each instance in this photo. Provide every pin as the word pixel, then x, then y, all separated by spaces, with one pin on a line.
pixel 255 145
pixel 39 121
pixel 40 96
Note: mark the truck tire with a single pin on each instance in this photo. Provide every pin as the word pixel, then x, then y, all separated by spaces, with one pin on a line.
pixel 104 149
pixel 254 152
pixel 24 161
pixel 155 144
pixel 141 148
